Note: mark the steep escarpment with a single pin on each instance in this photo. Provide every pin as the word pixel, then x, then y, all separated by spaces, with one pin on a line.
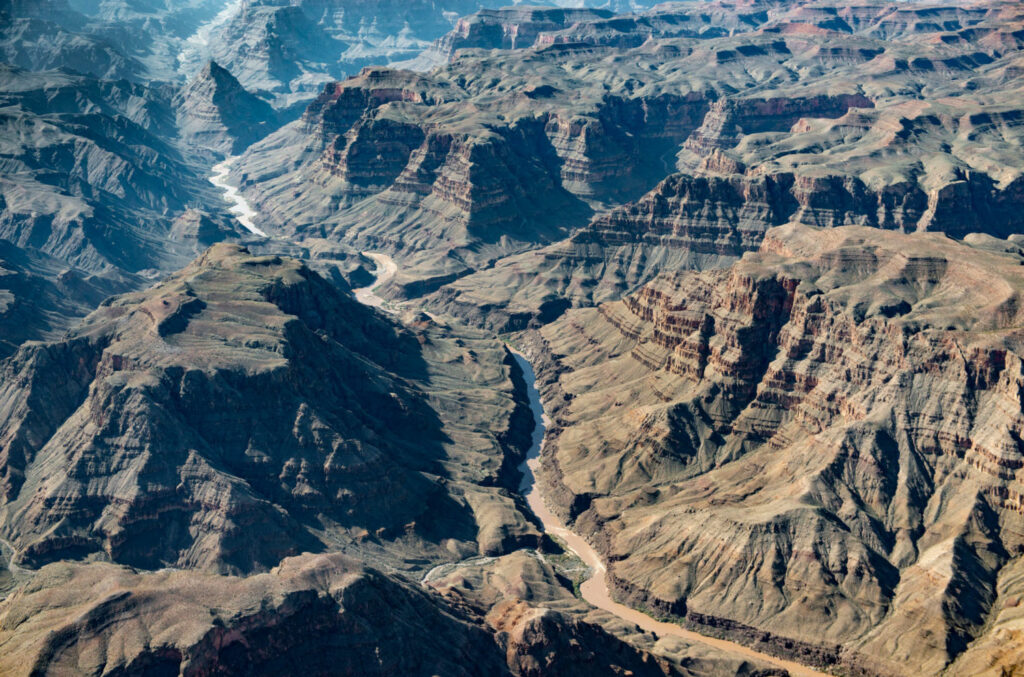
pixel 686 222
pixel 728 120
pixel 523 28
pixel 395 171
pixel 851 141
pixel 401 162
pixel 509 28
pixel 812 450
pixel 253 411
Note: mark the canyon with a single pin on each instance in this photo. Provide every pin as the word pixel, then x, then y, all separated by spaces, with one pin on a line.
pixel 769 450
pixel 454 338
pixel 554 152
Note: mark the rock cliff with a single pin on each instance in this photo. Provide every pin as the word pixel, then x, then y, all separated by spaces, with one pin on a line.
pixel 812 450
pixel 845 139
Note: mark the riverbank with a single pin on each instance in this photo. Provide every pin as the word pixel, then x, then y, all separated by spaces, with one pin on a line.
pixel 595 589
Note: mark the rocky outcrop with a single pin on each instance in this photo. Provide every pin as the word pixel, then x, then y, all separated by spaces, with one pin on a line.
pixel 200 229
pixel 728 120
pixel 216 113
pixel 725 215
pixel 545 642
pixel 511 28
pixel 613 153
pixel 760 449
pixel 327 614
pixel 252 411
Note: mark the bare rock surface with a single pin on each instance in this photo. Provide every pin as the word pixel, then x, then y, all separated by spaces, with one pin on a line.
pixel 327 613
pixel 811 451
pixel 529 594
pixel 41 298
pixel 545 165
pixel 214 112
pixel 92 174
pixel 245 410
pixel 767 255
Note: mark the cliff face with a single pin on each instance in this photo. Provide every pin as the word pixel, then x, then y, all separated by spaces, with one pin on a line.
pixel 393 171
pixel 814 446
pixel 510 28
pixel 872 132
pixel 728 121
pixel 415 165
pixel 246 410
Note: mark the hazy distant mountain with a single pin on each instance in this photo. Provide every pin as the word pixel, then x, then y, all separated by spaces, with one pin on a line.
pixel 291 48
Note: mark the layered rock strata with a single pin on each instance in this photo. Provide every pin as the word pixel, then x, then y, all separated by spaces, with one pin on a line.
pixel 864 130
pixel 812 450
pixel 214 112
pixel 246 410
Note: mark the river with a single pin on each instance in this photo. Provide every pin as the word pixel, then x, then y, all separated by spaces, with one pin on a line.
pixel 595 589
pixel 241 208
pixel 386 269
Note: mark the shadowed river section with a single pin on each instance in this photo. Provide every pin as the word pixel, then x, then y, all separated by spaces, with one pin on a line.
pixel 595 589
